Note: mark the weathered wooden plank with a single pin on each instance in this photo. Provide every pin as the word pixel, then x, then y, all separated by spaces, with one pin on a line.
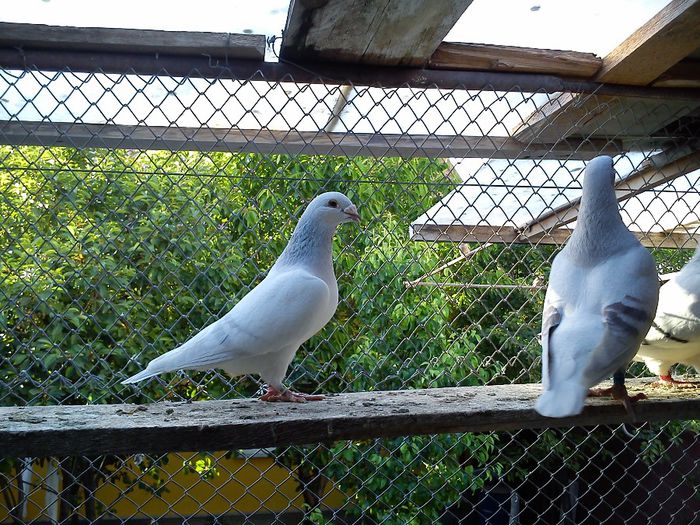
pixel 665 39
pixel 490 57
pixel 133 40
pixel 389 32
pixel 245 423
pixel 461 233
pixel 290 142
pixel 657 170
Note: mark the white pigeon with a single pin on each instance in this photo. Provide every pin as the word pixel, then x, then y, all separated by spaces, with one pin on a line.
pixel 600 302
pixel 264 330
pixel 674 336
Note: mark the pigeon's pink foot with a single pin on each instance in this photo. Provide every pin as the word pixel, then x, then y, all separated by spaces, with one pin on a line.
pixel 668 381
pixel 618 392
pixel 288 396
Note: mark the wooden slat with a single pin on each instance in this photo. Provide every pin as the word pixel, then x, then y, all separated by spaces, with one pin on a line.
pixel 668 37
pixel 133 40
pixel 289 142
pixel 514 59
pixel 461 233
pixel 657 170
pixel 71 430
pixel 389 32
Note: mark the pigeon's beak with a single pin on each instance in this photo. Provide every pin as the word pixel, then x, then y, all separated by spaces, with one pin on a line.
pixel 351 212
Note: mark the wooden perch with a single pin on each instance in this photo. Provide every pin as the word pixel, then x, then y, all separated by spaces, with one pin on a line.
pixel 72 430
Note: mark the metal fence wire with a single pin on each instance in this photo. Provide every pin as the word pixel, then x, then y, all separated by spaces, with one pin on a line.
pixel 137 209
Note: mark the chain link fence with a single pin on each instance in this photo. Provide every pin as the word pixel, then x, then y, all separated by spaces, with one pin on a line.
pixel 137 209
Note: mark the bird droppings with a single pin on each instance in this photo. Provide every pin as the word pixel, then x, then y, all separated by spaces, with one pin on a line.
pixel 169 410
pixel 137 408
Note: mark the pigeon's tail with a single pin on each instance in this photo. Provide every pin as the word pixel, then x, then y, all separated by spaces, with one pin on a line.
pixel 168 362
pixel 143 374
pixel 562 402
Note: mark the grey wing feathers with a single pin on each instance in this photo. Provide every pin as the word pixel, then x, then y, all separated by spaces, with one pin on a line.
pixel 551 318
pixel 273 315
pixel 625 322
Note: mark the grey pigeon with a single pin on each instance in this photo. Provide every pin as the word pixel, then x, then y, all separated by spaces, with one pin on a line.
pixel 600 302
pixel 264 330
pixel 674 336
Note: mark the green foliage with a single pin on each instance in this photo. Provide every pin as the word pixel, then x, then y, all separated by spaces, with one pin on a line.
pixel 110 258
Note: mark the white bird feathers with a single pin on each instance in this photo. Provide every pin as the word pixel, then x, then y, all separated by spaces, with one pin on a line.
pixel 600 302
pixel 674 336
pixel 263 331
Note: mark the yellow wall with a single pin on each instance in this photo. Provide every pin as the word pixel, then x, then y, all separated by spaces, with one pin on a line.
pixel 242 486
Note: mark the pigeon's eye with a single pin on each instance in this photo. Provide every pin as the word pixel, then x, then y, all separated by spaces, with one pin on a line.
pixel 333 203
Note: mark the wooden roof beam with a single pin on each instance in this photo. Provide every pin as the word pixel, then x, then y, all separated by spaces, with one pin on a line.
pixel 290 142
pixel 668 37
pixel 488 57
pixel 387 32
pixel 184 43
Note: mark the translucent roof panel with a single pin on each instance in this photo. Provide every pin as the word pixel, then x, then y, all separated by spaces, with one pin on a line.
pixel 595 26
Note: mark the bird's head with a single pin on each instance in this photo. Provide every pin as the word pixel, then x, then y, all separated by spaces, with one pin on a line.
pixel 333 208
pixel 599 175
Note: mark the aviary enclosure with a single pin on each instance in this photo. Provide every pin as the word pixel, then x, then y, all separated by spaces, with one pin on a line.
pixel 142 194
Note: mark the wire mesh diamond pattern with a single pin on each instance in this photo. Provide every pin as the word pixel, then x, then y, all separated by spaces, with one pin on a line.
pixel 138 209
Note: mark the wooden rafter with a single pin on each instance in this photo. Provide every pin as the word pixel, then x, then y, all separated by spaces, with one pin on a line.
pixel 389 32
pixel 664 40
pixel 39 36
pixel 290 142
pixel 668 37
pixel 490 57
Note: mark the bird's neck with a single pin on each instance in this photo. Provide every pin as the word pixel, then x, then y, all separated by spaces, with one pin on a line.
pixel 599 228
pixel 310 245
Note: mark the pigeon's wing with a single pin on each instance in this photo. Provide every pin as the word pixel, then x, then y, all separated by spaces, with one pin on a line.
pixel 678 315
pixel 551 317
pixel 281 310
pixel 624 325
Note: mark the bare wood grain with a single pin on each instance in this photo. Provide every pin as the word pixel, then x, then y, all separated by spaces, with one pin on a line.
pixel 489 57
pixel 133 40
pixel 290 142
pixel 669 36
pixel 243 423
pixel 389 32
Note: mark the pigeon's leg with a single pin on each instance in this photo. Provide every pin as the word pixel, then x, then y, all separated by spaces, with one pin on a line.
pixel 667 380
pixel 284 394
pixel 619 391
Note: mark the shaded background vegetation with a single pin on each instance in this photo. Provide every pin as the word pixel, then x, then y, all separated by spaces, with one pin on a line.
pixel 110 258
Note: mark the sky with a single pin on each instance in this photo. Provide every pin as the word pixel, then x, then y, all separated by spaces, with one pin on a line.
pixel 595 26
